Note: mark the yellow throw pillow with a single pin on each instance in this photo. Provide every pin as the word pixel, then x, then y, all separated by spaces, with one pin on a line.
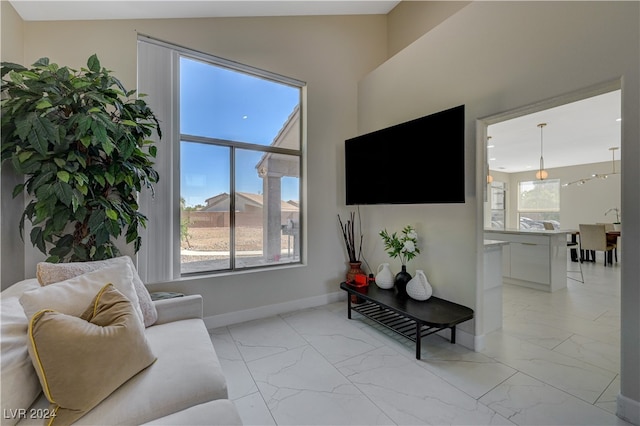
pixel 81 361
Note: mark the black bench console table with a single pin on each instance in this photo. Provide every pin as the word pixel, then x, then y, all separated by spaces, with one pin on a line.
pixel 410 318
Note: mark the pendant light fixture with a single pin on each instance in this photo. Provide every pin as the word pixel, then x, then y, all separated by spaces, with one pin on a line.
pixel 582 181
pixel 541 174
pixel 613 166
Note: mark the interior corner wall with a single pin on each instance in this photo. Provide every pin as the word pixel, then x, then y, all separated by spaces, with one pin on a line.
pixel 11 245
pixel 496 57
pixel 410 20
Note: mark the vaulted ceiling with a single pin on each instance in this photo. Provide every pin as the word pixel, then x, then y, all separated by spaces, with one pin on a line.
pixel 577 133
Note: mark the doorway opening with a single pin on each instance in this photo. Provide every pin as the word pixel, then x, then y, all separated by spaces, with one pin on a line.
pixel 546 322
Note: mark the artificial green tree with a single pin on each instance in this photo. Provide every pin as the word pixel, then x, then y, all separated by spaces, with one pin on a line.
pixel 82 141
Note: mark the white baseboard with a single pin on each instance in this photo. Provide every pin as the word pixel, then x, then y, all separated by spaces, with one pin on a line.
pixel 463 338
pixel 479 342
pixel 628 409
pixel 237 317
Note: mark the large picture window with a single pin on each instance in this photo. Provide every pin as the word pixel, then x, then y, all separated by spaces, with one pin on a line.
pixel 538 202
pixel 234 160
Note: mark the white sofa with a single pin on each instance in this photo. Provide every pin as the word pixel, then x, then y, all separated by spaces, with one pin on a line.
pixel 184 386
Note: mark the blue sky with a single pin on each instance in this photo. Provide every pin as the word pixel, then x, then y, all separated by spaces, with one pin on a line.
pixel 219 103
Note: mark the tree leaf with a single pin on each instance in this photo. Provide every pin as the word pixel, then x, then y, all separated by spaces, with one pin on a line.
pixel 111 214
pixel 42 62
pixel 78 198
pixel 99 131
pixel 85 141
pixel 24 156
pixel 108 146
pixel 23 125
pixel 37 240
pixel 44 104
pixel 16 77
pixel 42 133
pixel 18 189
pixel 99 179
pixel 63 175
pixel 41 179
pixel 110 178
pixel 93 63
pixel 80 84
pixel 102 234
pixel 59 220
pixel 113 227
pixel 63 191
pixel 84 124
pixel 96 219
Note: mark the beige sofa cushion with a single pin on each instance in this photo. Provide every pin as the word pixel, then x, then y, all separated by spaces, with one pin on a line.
pixel 71 297
pixel 80 361
pixel 19 382
pixel 49 273
pixel 186 373
pixel 219 412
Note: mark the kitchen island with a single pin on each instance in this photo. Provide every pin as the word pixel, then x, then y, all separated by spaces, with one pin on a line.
pixel 533 258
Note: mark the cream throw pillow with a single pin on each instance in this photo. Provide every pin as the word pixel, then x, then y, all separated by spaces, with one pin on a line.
pixel 72 296
pixel 49 273
pixel 81 361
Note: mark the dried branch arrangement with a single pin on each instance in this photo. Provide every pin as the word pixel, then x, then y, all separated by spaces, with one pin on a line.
pixel 349 236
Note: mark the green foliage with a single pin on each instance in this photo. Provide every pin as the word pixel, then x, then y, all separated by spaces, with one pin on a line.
pixel 404 245
pixel 82 142
pixel 184 222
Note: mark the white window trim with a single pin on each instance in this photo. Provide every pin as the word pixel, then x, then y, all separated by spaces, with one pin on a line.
pixel 157 260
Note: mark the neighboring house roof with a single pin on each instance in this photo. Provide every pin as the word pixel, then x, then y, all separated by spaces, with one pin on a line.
pixel 248 198
pixel 287 137
pixel 216 199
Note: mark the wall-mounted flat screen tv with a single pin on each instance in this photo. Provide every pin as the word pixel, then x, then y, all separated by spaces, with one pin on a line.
pixel 417 162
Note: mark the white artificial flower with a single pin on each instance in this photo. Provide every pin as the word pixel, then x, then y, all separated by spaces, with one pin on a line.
pixel 409 247
pixel 413 235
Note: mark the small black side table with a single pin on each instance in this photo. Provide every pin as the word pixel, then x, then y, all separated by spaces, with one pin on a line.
pixel 410 318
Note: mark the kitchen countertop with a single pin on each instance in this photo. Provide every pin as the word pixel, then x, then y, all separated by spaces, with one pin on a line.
pixel 530 231
pixel 494 243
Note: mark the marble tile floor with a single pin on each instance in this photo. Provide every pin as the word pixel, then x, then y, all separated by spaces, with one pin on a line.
pixel 554 362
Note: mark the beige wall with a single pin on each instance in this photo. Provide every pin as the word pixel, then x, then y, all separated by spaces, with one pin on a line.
pixel 330 53
pixel 411 19
pixel 11 40
pixel 11 245
pixel 578 203
pixel 496 57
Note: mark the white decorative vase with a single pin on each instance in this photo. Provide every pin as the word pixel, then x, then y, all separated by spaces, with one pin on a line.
pixel 418 287
pixel 384 277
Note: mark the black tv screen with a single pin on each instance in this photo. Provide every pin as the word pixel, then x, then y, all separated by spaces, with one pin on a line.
pixel 417 162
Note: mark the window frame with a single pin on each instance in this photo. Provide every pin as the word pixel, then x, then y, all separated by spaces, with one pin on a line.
pixel 521 211
pixel 170 145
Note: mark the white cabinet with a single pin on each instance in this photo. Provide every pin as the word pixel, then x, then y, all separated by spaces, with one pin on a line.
pixel 536 259
pixel 530 262
pixel 492 309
